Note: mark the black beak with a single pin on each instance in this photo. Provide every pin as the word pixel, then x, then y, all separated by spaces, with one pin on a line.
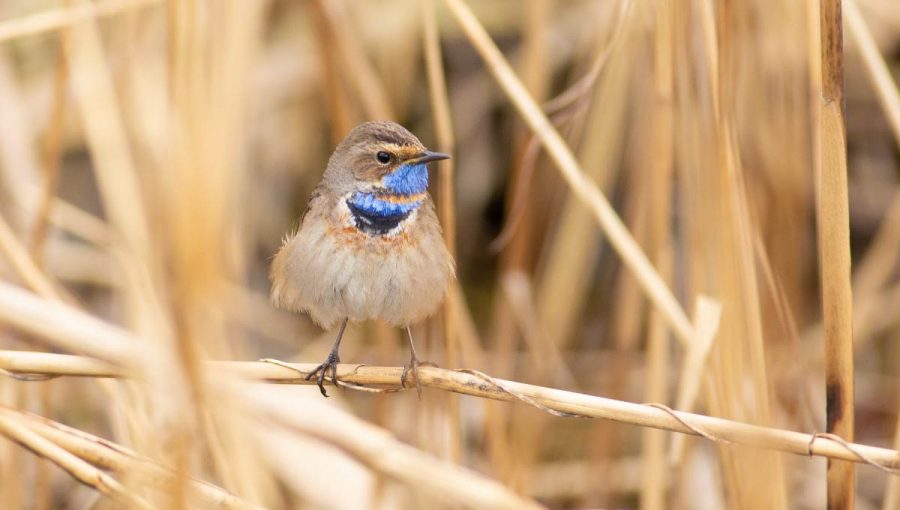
pixel 429 156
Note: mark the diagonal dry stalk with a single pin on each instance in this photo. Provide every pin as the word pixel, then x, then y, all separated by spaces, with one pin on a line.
pixel 555 401
pixel 69 328
pixel 111 456
pixel 581 186
pixel 879 261
pixel 81 470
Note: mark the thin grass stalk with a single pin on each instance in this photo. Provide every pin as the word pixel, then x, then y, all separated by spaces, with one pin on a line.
pixel 517 255
pixel 201 188
pixel 114 164
pixel 524 428
pixel 879 260
pixel 723 259
pixel 581 186
pixel 341 113
pixel 52 151
pixel 78 222
pixel 655 480
pixel 876 68
pixel 563 285
pixel 518 252
pixel 18 154
pixel 443 127
pixel 834 251
pixel 121 195
pixel 356 64
pixel 24 265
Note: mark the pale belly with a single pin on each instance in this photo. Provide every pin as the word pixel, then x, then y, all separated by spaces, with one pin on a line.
pixel 337 272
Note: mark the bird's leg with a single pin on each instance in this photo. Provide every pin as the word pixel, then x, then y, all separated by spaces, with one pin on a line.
pixel 331 362
pixel 413 365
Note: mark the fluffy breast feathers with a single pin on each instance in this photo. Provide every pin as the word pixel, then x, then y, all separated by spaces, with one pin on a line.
pixel 332 269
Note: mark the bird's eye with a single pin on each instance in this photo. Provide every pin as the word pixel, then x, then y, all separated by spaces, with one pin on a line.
pixel 383 157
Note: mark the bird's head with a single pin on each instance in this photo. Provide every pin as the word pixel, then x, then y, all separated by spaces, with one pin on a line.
pixel 380 157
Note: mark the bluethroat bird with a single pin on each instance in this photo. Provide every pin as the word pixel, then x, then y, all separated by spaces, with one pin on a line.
pixel 369 245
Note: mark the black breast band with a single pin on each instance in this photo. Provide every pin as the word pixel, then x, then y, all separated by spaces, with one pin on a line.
pixel 374 223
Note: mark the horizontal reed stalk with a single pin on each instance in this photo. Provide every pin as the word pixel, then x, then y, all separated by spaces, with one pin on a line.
pixel 39 364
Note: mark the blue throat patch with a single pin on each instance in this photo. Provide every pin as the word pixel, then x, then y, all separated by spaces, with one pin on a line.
pixel 378 216
pixel 379 212
pixel 372 205
pixel 407 180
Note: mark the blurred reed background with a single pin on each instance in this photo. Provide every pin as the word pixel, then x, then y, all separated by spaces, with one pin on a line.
pixel 153 154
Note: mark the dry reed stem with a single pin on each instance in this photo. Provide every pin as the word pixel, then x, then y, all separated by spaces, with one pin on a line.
pixel 22 262
pixel 52 19
pixel 18 150
pixel 834 251
pixel 365 78
pixel 657 191
pixel 580 185
pixel 740 355
pixel 79 223
pixel 443 127
pixel 52 150
pixel 114 457
pixel 341 112
pixel 72 464
pixel 476 384
pixel 117 177
pixel 579 90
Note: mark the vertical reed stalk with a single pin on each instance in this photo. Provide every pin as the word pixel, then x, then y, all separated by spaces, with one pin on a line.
pixel 834 251
pixel 659 186
pixel 52 150
pixel 339 108
pixel 443 127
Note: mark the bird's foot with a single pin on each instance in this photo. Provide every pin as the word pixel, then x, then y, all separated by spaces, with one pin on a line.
pixel 413 367
pixel 331 362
